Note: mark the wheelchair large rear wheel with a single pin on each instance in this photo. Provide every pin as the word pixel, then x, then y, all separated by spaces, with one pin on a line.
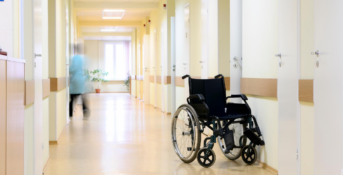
pixel 238 132
pixel 186 136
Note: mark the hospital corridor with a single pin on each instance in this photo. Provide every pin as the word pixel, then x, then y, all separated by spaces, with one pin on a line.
pixel 171 87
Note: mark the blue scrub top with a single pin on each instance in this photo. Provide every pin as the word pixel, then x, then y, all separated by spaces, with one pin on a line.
pixel 77 80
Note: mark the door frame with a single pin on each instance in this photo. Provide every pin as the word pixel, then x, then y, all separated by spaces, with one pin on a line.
pixel 173 66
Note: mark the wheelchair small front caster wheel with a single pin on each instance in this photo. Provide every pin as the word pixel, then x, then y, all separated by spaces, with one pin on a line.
pixel 206 158
pixel 249 154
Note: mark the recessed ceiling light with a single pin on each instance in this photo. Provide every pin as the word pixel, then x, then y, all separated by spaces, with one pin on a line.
pixel 113 14
pixel 112 29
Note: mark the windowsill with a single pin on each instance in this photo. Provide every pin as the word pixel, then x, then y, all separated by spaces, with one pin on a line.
pixel 115 81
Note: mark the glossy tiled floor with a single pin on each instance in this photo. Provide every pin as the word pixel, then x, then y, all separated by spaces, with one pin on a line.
pixel 125 136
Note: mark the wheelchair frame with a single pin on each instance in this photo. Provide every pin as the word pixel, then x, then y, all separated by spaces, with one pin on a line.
pixel 248 122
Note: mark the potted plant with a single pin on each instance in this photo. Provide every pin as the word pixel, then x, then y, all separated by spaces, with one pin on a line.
pixel 98 77
pixel 127 81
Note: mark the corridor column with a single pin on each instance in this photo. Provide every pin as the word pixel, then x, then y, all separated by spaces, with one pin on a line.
pixel 58 103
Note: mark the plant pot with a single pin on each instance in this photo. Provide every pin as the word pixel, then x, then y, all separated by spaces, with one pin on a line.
pixel 97 90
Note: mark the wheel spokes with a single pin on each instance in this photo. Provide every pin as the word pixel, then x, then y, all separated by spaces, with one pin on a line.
pixel 184 142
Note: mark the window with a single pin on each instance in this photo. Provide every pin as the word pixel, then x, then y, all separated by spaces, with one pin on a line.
pixel 117 60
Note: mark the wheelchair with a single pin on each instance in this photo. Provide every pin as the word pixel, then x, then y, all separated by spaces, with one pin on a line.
pixel 234 128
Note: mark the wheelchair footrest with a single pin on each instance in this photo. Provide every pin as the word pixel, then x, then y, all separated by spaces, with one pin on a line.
pixel 253 137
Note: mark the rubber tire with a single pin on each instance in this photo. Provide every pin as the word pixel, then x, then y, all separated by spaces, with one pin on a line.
pixel 214 157
pixel 255 152
pixel 198 139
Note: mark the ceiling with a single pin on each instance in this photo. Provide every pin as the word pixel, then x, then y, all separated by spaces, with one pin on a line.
pixel 89 13
pixel 108 38
pixel 116 0
pixel 96 29
pixel 96 15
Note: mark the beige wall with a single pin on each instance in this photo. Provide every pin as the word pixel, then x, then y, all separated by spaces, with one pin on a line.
pixel 260 43
pixel 158 18
pixel 61 118
pixel 224 37
pixel 133 62
pixel 307 66
pixel 9 29
pixel 45 67
pixel 58 56
pixel 29 73
pixel 213 36
pixel 61 38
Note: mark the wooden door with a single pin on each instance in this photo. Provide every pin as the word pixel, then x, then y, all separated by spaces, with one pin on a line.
pixel 3 105
pixel 15 118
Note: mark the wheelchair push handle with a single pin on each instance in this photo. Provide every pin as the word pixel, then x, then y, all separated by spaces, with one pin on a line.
pixel 186 76
pixel 219 76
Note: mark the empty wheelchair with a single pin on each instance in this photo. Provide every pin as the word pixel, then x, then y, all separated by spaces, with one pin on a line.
pixel 233 126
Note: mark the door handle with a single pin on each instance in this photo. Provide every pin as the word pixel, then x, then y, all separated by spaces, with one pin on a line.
pixel 201 61
pixel 38 55
pixel 315 53
pixel 280 62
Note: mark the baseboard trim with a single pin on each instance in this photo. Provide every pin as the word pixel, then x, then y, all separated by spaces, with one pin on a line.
pixel 46 164
pixel 55 142
pixel 267 167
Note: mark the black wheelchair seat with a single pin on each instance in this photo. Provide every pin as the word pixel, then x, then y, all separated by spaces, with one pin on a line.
pixel 232 117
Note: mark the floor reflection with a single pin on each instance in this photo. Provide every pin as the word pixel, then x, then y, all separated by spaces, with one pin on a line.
pixel 125 136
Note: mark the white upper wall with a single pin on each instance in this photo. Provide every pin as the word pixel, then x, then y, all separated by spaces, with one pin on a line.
pixel 6 27
pixel 260 39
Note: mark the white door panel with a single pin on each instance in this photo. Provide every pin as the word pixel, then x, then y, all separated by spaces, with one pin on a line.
pixel 155 68
pixel 205 34
pixel 146 71
pixel 328 87
pixel 173 67
pixel 235 48
pixel 163 66
pixel 38 119
pixel 187 48
pixel 288 76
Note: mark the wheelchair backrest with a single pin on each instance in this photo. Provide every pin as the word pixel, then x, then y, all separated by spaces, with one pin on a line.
pixel 214 92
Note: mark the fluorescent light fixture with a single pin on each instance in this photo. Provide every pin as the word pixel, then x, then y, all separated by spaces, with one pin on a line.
pixel 109 29
pixel 113 14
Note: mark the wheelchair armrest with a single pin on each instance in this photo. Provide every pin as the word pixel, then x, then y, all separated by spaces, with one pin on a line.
pixel 197 96
pixel 185 76
pixel 242 96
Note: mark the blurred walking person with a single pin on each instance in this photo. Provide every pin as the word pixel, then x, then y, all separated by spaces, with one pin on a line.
pixel 77 82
